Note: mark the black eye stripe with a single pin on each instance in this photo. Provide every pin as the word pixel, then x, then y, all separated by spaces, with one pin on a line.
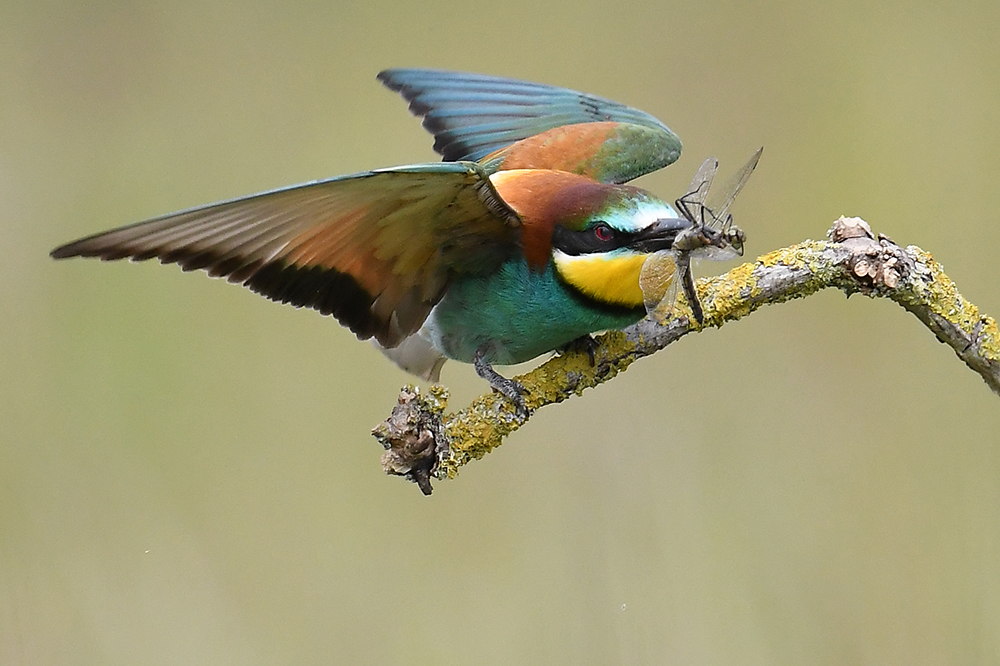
pixel 588 240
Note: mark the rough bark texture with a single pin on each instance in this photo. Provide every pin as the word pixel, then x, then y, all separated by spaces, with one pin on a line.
pixel 422 441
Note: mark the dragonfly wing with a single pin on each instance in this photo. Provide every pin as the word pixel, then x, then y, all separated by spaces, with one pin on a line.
pixel 715 253
pixel 721 200
pixel 692 204
pixel 658 282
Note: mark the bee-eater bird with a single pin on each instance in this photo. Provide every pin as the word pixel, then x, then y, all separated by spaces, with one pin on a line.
pixel 522 240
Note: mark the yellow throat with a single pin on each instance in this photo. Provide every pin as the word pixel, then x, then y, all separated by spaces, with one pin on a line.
pixel 611 278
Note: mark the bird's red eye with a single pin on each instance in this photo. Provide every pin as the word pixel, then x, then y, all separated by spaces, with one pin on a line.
pixel 603 232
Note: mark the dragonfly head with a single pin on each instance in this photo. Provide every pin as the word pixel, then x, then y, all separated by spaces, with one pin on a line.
pixel 731 237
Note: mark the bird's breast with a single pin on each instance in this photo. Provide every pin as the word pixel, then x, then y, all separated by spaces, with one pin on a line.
pixel 523 312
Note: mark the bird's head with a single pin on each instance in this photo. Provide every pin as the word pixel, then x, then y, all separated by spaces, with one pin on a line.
pixel 597 235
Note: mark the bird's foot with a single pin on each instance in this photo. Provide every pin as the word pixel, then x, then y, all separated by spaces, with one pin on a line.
pixel 510 389
pixel 584 343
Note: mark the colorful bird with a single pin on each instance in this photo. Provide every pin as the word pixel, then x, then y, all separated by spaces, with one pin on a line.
pixel 521 241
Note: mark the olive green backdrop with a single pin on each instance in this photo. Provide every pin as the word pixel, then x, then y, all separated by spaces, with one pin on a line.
pixel 186 475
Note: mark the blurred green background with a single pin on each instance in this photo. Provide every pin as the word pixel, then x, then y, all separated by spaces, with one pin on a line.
pixel 186 475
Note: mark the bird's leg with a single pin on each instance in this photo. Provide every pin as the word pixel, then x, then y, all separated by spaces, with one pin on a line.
pixel 585 343
pixel 510 389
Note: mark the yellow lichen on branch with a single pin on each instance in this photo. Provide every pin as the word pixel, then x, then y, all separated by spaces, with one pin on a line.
pixel 422 442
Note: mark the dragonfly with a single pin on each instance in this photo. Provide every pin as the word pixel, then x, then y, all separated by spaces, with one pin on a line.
pixel 711 235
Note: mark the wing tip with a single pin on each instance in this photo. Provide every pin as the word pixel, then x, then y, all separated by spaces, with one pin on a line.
pixel 387 78
pixel 64 252
pixel 83 248
pixel 91 247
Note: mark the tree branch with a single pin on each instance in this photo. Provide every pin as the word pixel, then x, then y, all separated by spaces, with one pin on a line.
pixel 421 441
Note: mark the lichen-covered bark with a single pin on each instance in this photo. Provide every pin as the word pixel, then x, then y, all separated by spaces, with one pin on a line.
pixel 421 441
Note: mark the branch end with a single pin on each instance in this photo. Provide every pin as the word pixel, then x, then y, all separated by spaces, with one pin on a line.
pixel 413 436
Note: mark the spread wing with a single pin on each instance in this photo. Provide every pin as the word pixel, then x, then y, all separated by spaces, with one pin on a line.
pixel 474 115
pixel 376 250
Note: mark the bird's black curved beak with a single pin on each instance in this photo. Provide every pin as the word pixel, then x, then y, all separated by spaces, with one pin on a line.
pixel 660 235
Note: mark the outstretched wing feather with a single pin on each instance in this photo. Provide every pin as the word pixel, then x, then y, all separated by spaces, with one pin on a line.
pixel 473 115
pixel 374 249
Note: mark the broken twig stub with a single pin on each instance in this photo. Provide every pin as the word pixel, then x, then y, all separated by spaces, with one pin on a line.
pixel 413 436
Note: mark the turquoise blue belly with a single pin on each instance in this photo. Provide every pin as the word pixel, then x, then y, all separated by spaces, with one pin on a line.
pixel 523 314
